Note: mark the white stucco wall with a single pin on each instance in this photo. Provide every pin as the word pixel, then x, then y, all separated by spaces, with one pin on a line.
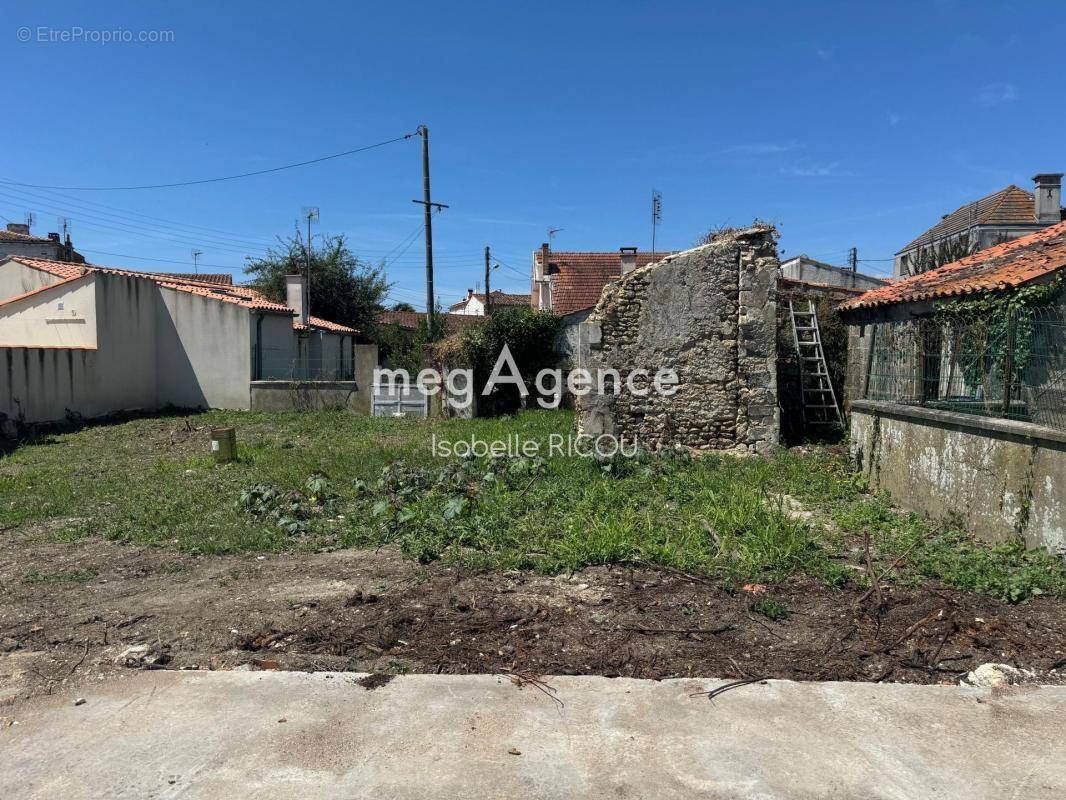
pixel 203 353
pixel 62 315
pixel 16 278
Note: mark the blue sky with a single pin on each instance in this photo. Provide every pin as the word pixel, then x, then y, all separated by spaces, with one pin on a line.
pixel 846 124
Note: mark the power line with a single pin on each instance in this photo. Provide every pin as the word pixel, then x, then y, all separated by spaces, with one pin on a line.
pixel 215 180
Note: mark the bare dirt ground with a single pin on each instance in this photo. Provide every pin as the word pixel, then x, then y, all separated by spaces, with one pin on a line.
pixel 84 604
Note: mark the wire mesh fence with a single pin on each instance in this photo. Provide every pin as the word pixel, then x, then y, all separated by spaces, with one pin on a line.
pixel 1011 365
pixel 334 367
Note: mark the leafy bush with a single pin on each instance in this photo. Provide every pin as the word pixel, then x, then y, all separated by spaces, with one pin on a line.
pixel 290 510
pixel 530 337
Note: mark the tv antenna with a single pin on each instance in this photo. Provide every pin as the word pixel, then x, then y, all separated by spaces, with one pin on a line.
pixel 196 261
pixel 30 219
pixel 551 234
pixel 656 215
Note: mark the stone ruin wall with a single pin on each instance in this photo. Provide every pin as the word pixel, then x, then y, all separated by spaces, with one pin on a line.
pixel 709 314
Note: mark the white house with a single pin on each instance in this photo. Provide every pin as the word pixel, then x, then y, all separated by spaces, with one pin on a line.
pixel 85 340
pixel 474 303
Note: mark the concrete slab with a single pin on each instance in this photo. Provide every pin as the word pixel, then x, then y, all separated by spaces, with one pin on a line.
pixel 308 736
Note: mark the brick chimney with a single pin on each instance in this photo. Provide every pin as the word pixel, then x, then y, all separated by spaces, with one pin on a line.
pixel 629 259
pixel 296 296
pixel 1048 193
pixel 18 227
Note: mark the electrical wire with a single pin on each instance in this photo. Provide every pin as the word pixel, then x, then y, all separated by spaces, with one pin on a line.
pixel 214 180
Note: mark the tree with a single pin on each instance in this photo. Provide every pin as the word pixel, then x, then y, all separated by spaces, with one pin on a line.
pixel 937 255
pixel 344 288
pixel 403 307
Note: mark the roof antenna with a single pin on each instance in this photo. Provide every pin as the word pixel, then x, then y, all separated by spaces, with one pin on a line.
pixel 551 234
pixel 196 261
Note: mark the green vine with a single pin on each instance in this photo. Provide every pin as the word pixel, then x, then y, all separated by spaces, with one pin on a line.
pixel 997 330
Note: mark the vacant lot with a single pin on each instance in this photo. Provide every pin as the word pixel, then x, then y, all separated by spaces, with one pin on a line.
pixel 339 542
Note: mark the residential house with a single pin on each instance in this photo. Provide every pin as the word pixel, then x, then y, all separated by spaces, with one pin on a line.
pixel 87 340
pixel 411 320
pixel 1001 216
pixel 805 269
pixel 16 240
pixel 474 302
pixel 570 284
pixel 962 409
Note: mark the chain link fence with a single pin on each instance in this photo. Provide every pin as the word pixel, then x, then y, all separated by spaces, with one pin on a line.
pixel 1010 365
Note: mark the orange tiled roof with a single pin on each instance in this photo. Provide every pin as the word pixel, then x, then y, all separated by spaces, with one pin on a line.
pixel 1004 266
pixel 243 296
pixel 221 278
pixel 498 299
pixel 580 278
pixel 1009 206
pixel 410 320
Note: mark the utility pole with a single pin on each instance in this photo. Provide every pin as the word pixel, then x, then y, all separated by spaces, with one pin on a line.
pixel 656 215
pixel 488 289
pixel 429 205
pixel 312 215
pixel 853 259
pixel 196 261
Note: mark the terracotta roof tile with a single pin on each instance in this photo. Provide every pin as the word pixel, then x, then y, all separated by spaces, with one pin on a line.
pixel 221 278
pixel 1004 266
pixel 498 299
pixel 1010 206
pixel 202 285
pixel 580 277
pixel 410 320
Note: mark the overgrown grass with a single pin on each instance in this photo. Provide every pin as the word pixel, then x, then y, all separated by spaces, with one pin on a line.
pixel 152 481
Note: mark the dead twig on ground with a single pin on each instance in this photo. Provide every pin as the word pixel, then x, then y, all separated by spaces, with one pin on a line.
pixel 871 573
pixel 896 563
pixel 725 687
pixel 522 679
pixel 910 631
pixel 684 631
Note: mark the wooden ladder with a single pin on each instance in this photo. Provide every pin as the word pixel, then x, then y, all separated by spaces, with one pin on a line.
pixel 816 389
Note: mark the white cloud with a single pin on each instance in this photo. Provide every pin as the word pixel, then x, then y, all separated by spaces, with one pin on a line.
pixel 762 148
pixel 995 94
pixel 894 119
pixel 832 170
pixel 824 53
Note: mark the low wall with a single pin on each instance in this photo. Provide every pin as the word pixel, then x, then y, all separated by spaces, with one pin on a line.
pixel 306 396
pixel 43 384
pixel 1004 478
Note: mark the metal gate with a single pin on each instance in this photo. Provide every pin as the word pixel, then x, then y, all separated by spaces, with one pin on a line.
pixel 396 401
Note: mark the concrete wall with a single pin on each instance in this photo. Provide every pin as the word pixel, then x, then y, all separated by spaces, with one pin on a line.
pixel 16 279
pixel 38 383
pixel 50 251
pixel 366 361
pixel 1004 478
pixel 707 313
pixel 57 315
pixel 305 395
pixel 808 270
pixel 204 353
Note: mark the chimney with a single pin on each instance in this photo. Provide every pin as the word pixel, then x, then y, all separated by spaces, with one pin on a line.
pixel 18 227
pixel 68 249
pixel 54 237
pixel 469 293
pixel 1048 194
pixel 629 259
pixel 296 296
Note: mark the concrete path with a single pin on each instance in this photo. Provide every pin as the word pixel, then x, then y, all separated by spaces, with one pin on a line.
pixel 294 735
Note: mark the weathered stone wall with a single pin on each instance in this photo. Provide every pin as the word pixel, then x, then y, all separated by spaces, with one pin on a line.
pixel 708 314
pixel 1004 478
